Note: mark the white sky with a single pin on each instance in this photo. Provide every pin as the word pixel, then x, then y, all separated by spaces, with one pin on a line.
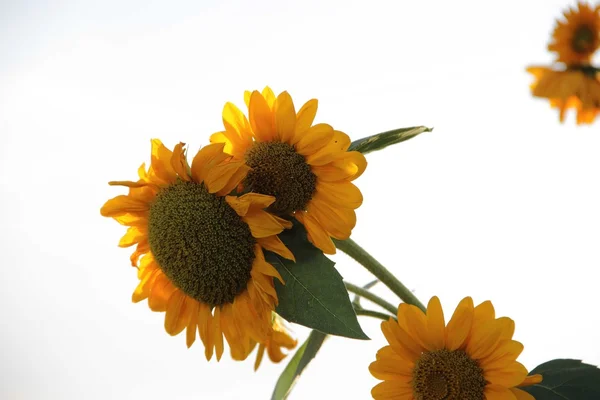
pixel 500 202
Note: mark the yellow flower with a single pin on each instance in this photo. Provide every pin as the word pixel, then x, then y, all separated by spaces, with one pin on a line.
pixel 203 262
pixel 577 88
pixel 279 338
pixel 306 167
pixel 473 357
pixel 577 38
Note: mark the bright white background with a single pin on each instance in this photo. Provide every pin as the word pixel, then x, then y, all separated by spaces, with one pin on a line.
pixel 500 202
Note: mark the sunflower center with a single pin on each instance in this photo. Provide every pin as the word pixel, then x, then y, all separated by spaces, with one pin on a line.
pixel 277 170
pixel 584 40
pixel 200 243
pixel 448 375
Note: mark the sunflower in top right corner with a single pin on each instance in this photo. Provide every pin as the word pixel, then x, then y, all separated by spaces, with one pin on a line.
pixel 574 83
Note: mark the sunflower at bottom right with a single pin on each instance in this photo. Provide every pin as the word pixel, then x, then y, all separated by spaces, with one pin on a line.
pixel 473 357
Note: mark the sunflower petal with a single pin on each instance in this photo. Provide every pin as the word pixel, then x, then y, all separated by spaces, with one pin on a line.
pixel 460 324
pixel 285 117
pixel 261 118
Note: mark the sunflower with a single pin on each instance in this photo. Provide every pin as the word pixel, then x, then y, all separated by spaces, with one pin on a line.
pixel 279 338
pixel 578 37
pixel 202 250
pixel 575 88
pixel 306 167
pixel 472 358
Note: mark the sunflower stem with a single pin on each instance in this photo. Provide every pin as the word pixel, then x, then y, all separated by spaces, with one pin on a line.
pixel 351 248
pixel 362 292
pixel 374 314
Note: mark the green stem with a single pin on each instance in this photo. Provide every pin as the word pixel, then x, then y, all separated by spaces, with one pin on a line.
pixel 374 314
pixel 351 248
pixel 362 292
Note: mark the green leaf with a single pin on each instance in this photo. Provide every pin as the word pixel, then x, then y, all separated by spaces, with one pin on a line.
pixel 314 294
pixel 297 364
pixel 385 139
pixel 565 379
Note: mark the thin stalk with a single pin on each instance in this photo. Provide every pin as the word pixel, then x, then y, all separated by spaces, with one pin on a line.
pixel 374 314
pixel 362 292
pixel 351 248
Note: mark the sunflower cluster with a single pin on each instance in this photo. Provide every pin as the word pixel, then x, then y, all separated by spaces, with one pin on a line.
pixel 572 82
pixel 203 230
pixel 200 229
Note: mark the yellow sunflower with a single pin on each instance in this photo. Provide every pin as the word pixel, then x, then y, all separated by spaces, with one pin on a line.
pixel 306 167
pixel 574 88
pixel 578 37
pixel 471 358
pixel 203 262
pixel 279 338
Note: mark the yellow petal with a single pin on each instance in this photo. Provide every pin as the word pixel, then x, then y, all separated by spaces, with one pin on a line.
pixel 392 390
pixel 217 334
pixel 459 327
pixel 161 162
pixel 532 379
pixel 259 356
pixel 177 314
pixel 317 137
pixel 505 354
pixel 240 207
pixel 262 224
pixel 338 143
pixel 483 340
pixel 121 205
pixel 261 118
pixel 134 235
pixel 285 117
pixel 192 328
pixel 234 180
pixel 305 118
pixel 179 163
pixel 219 176
pixel 258 201
pixel 205 159
pixel 269 97
pixel 206 329
pixel 160 292
pixel 521 395
pixel 338 222
pixel 390 365
pixel 339 194
pixel 346 166
pixel 315 233
pixel 508 376
pixel 275 245
pixel 435 323
pixel 498 392
pixel 234 120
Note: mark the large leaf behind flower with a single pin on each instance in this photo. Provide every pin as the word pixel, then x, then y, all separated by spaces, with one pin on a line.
pixel 293 370
pixel 565 379
pixel 382 140
pixel 314 294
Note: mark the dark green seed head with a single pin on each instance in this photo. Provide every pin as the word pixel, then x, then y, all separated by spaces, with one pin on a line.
pixel 200 243
pixel 277 170
pixel 450 375
pixel 584 40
